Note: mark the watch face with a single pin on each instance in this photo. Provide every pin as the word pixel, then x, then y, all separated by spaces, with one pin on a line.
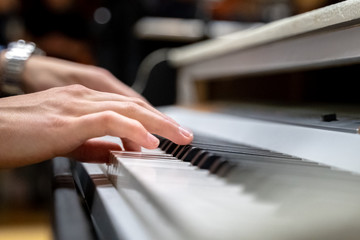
pixel 21 52
pixel 16 55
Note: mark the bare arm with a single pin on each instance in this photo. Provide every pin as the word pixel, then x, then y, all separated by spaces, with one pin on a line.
pixel 41 73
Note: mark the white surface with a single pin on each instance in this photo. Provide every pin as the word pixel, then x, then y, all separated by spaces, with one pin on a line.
pixel 204 206
pixel 166 198
pixel 313 20
pixel 128 210
pixel 337 149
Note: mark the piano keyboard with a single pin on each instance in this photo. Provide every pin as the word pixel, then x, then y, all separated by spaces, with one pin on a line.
pixel 220 189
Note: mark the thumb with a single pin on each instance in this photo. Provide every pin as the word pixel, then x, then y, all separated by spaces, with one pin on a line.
pixel 94 151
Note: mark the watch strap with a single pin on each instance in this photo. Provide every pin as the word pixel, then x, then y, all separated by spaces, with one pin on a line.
pixel 15 57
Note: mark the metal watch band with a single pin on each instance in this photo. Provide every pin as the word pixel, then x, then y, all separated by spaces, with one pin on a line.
pixel 16 55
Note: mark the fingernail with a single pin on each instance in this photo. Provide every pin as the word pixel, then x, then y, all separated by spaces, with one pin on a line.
pixel 185 132
pixel 152 139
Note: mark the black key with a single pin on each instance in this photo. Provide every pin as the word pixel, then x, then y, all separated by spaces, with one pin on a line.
pixel 217 165
pixel 225 169
pixel 208 161
pixel 190 154
pixel 202 154
pixel 183 151
pixel 177 149
pixel 170 147
pixel 164 144
pixel 161 139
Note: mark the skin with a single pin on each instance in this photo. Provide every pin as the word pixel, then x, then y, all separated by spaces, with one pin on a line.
pixel 72 104
pixel 41 73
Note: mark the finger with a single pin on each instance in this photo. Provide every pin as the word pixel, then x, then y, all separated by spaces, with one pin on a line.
pixel 105 97
pixel 89 96
pixel 149 107
pixel 130 145
pixel 113 124
pixel 153 122
pixel 94 151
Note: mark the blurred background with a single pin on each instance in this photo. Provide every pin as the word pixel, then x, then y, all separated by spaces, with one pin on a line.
pixel 116 35
pixel 119 34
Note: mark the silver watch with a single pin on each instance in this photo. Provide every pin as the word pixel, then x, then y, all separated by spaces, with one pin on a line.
pixel 16 55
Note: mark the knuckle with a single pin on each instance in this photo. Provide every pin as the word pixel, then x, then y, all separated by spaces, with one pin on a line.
pixel 131 107
pixel 106 121
pixel 104 72
pixel 57 122
pixel 107 117
pixel 135 126
pixel 75 89
pixel 138 101
pixel 100 72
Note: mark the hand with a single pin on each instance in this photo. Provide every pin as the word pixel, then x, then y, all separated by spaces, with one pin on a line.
pixel 62 122
pixel 41 73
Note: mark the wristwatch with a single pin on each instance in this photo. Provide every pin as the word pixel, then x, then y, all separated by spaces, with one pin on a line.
pixel 15 56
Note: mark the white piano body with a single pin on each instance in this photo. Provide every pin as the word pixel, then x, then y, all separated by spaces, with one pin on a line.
pixel 323 37
pixel 307 188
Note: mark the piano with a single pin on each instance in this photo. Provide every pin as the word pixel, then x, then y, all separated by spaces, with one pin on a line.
pixel 253 171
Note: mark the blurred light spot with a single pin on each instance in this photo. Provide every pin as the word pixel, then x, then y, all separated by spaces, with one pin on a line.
pixel 102 15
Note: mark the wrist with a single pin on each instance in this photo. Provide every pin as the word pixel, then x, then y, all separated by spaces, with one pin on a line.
pixel 12 65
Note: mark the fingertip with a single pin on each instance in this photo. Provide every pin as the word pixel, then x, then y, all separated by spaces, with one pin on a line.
pixel 181 136
pixel 186 133
pixel 152 141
